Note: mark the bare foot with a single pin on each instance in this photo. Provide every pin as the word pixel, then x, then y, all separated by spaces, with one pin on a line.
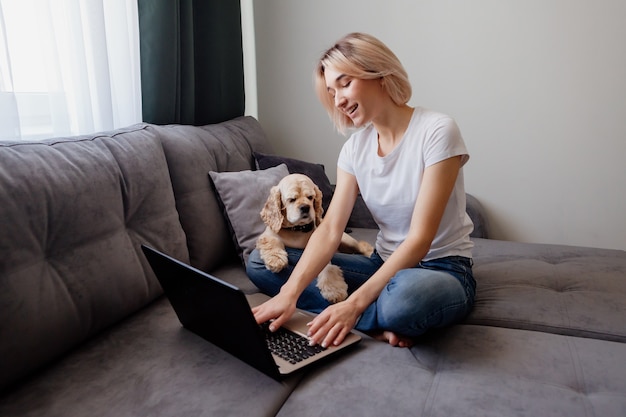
pixel 393 339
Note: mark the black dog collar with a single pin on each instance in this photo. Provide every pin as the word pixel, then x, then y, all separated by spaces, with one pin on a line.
pixel 305 228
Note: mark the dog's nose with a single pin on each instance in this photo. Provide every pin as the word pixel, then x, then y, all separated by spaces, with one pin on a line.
pixel 304 209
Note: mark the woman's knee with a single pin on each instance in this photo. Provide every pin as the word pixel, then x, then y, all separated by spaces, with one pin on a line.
pixel 417 300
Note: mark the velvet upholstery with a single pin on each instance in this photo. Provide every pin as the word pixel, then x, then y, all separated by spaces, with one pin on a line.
pixel 84 330
pixel 191 153
pixel 148 366
pixel 551 288
pixel 470 371
pixel 477 213
pixel 73 212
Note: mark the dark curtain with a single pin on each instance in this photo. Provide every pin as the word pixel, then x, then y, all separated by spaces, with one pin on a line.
pixel 191 61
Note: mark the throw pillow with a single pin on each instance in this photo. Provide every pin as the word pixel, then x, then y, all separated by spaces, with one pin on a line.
pixel 242 195
pixel 295 166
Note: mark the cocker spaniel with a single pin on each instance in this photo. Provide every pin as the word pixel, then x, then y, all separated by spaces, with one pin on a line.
pixel 291 213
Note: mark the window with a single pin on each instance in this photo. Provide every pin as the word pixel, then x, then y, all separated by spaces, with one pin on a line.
pixel 68 67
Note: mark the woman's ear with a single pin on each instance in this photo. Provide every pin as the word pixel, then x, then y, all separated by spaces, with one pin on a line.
pixel 272 212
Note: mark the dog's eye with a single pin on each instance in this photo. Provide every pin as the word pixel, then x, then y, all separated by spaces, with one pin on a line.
pixel 310 197
pixel 291 200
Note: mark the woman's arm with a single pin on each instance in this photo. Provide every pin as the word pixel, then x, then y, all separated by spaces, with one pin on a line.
pixel 319 250
pixel 334 323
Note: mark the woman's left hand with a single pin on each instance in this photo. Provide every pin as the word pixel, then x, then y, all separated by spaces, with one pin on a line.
pixel 333 324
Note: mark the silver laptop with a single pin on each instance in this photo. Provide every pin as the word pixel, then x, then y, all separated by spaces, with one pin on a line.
pixel 221 313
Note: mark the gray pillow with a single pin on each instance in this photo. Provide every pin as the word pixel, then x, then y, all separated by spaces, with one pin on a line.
pixel 242 195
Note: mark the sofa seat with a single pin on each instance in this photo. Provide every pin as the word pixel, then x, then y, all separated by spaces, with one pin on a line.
pixel 150 365
pixel 470 370
pixel 147 365
pixel 567 290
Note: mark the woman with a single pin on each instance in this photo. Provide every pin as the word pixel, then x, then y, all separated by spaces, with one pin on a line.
pixel 407 164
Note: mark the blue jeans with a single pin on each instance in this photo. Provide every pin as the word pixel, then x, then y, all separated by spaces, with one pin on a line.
pixel 433 294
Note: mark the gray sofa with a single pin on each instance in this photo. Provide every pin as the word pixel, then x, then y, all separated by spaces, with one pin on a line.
pixel 85 330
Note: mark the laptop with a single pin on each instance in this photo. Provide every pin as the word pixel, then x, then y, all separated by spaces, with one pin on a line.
pixel 221 313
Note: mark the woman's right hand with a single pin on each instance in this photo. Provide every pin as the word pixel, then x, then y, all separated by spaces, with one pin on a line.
pixel 279 309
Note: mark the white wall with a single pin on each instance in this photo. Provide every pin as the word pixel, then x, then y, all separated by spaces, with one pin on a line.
pixel 537 87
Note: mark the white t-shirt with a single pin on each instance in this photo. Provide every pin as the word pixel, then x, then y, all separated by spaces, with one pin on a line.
pixel 389 185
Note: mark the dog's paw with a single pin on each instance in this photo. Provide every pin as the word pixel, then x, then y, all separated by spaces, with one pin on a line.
pixel 275 261
pixel 332 285
pixel 365 248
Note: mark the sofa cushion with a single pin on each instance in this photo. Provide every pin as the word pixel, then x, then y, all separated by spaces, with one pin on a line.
pixel 242 195
pixel 73 214
pixel 476 212
pixel 192 152
pixel 148 365
pixel 470 371
pixel 552 288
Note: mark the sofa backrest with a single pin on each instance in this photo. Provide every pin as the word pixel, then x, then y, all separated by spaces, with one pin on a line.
pixel 192 152
pixel 72 215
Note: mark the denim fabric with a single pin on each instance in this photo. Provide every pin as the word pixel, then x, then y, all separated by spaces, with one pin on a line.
pixel 434 294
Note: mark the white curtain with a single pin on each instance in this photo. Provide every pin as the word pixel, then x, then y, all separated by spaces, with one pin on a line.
pixel 68 67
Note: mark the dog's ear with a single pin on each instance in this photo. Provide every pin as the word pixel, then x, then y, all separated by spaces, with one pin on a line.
pixel 317 205
pixel 272 213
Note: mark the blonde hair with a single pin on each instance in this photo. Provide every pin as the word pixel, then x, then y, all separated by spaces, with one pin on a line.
pixel 363 56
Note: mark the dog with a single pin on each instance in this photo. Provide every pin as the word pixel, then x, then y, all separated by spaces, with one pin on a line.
pixel 292 212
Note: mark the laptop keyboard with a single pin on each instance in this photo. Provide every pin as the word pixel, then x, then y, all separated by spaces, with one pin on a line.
pixel 289 345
